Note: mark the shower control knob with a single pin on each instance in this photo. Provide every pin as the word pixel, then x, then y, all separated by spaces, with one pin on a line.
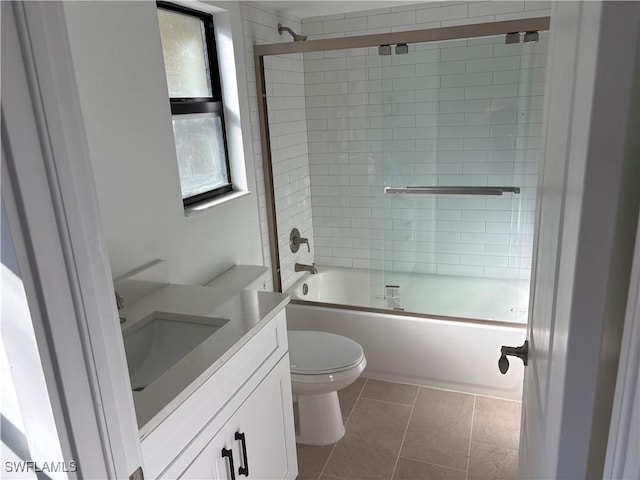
pixel 521 352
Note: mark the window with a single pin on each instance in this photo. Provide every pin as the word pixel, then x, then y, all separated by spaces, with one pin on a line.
pixel 191 65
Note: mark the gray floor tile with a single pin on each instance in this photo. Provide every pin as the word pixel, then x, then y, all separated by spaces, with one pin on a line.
pixel 371 444
pixel 311 460
pixel 437 441
pixel 488 462
pixel 497 422
pixel 414 470
pixel 390 392
pixel 440 428
pixel 348 396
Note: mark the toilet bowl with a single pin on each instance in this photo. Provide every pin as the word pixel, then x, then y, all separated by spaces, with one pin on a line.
pixel 321 364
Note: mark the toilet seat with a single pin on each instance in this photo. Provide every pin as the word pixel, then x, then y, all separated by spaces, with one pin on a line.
pixel 322 353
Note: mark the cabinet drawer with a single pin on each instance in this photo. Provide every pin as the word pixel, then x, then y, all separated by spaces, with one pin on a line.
pixel 215 400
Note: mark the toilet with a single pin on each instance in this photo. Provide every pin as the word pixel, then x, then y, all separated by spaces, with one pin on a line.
pixel 321 364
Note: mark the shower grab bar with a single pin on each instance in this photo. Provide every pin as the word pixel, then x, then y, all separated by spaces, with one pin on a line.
pixel 453 190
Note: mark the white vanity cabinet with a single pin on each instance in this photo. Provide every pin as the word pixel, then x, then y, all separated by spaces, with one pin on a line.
pixel 253 443
pixel 250 394
pixel 261 419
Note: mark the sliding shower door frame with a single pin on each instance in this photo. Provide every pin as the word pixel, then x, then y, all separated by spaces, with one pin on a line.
pixel 344 43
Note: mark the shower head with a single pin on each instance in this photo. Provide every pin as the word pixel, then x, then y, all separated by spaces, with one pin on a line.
pixel 296 37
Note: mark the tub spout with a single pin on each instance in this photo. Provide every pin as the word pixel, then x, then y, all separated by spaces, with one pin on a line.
pixel 306 268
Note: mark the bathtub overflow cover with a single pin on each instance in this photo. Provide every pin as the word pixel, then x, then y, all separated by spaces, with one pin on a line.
pixel 305 288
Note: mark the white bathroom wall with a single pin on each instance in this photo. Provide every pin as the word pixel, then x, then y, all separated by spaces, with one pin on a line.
pixel 290 160
pixel 124 101
pixel 120 74
pixel 464 112
pixel 288 134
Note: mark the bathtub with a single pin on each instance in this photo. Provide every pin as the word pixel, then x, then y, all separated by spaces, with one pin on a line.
pixel 456 346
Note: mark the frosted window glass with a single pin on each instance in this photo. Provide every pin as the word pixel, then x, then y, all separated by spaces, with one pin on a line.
pixel 185 54
pixel 200 151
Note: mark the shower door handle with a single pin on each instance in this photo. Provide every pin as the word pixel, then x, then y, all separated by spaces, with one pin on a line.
pixel 521 352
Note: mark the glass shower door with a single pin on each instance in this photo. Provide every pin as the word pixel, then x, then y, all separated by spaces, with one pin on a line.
pixel 325 137
pixel 460 113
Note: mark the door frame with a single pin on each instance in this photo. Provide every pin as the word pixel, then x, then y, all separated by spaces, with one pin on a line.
pixel 53 215
pixel 624 438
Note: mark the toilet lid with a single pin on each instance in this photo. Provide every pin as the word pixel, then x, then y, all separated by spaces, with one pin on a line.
pixel 320 352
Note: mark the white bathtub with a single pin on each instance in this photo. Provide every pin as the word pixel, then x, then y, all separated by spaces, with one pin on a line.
pixel 437 295
pixel 457 348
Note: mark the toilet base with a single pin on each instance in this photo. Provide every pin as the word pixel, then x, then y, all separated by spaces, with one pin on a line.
pixel 320 419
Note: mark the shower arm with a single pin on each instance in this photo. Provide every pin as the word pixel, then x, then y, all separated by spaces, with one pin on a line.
pixel 286 29
pixel 296 37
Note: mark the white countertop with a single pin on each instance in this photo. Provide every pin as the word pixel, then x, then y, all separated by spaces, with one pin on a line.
pixel 247 311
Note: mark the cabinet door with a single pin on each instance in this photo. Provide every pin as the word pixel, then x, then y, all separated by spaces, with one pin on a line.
pixel 266 420
pixel 209 463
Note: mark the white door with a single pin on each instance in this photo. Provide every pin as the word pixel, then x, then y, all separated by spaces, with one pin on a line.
pixel 52 213
pixel 262 419
pixel 587 211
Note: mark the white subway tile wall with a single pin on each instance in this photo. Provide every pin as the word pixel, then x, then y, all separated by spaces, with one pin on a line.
pixel 352 148
pixel 461 112
pixel 288 133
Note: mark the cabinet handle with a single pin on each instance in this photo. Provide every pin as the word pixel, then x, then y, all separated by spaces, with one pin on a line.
pixel 228 453
pixel 243 470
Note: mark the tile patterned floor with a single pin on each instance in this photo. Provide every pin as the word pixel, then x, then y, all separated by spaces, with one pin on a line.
pixel 404 432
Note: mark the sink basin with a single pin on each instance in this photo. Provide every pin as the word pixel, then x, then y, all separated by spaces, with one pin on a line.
pixel 161 340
